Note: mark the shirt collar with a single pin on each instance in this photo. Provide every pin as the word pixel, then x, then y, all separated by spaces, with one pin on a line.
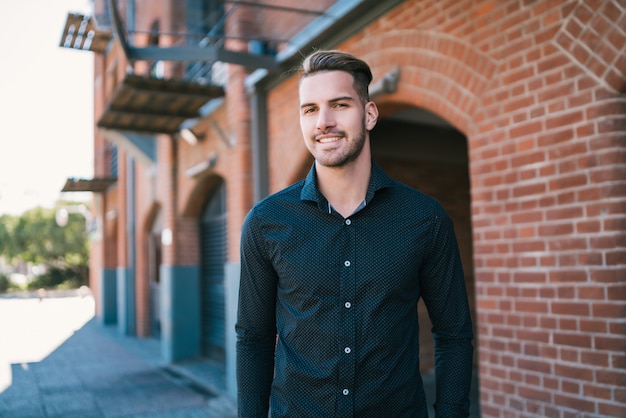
pixel 378 181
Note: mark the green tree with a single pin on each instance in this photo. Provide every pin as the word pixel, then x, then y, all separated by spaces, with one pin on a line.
pixel 6 225
pixel 36 238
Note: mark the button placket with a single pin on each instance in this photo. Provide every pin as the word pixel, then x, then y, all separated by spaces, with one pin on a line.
pixel 347 294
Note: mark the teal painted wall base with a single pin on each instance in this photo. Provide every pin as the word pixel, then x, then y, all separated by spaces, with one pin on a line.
pixel 231 284
pixel 180 312
pixel 108 297
pixel 126 302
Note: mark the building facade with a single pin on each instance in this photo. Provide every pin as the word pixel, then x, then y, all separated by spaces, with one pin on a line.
pixel 511 113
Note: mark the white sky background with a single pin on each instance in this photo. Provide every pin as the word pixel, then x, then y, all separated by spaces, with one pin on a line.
pixel 46 105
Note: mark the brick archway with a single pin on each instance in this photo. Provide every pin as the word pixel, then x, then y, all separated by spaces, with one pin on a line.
pixel 440 73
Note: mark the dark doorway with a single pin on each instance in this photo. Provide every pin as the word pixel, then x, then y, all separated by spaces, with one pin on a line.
pixel 213 257
pixel 424 151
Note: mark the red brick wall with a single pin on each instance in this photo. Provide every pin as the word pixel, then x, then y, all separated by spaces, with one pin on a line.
pixel 538 89
pixel 239 181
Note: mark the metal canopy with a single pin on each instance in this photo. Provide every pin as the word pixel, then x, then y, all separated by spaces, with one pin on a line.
pixel 88 185
pixel 151 105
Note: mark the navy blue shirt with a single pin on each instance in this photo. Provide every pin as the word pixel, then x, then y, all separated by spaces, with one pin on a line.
pixel 327 323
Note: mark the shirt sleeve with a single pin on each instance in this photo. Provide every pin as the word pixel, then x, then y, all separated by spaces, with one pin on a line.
pixel 256 324
pixel 445 296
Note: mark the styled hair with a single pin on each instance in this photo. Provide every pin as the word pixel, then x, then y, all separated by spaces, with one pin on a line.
pixel 333 60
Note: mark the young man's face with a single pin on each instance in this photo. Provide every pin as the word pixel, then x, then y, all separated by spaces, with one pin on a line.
pixel 334 122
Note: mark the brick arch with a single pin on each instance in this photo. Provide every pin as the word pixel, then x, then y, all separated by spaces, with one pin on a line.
pixel 151 215
pixel 195 200
pixel 439 72
pixel 597 45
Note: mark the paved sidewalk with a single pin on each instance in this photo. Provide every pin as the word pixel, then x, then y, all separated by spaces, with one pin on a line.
pixel 93 371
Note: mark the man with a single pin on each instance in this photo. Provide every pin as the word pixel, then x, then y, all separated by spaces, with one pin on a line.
pixel 332 269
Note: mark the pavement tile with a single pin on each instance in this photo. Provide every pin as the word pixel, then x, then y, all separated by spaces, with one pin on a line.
pixel 51 377
pixel 61 403
pixel 24 382
pixel 123 404
pixel 26 405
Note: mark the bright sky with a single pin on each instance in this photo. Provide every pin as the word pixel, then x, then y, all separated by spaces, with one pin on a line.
pixel 46 105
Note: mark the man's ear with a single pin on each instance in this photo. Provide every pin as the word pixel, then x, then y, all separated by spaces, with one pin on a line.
pixel 371 115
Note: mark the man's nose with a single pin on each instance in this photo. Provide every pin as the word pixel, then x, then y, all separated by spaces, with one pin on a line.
pixel 325 120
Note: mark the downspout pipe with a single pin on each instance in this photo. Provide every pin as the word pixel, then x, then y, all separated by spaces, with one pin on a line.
pixel 260 157
pixel 132 250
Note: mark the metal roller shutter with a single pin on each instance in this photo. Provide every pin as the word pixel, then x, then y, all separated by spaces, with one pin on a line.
pixel 213 252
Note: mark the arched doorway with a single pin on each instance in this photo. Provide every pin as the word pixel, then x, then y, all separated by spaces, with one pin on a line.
pixel 213 236
pixel 424 151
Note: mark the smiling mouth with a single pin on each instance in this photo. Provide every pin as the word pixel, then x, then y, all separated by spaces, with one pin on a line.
pixel 329 139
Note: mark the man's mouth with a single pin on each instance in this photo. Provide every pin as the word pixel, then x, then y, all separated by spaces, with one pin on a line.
pixel 328 139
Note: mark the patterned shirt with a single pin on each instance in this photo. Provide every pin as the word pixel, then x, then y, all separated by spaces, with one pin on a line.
pixel 327 323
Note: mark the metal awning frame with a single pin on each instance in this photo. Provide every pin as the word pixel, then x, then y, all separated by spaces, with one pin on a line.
pixel 208 53
pixel 95 185
pixel 150 105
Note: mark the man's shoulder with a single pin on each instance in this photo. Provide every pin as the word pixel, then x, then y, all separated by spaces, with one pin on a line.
pixel 411 194
pixel 287 196
pixel 397 189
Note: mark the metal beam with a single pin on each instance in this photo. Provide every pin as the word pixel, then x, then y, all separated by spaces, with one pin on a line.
pixel 199 54
pixel 275 7
pixel 118 26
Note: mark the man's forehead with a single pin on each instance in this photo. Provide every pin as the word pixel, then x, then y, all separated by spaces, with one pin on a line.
pixel 327 85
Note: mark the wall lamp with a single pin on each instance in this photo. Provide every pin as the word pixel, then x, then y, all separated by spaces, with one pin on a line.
pixel 188 134
pixel 386 85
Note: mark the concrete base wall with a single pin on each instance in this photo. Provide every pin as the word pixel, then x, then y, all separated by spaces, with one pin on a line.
pixel 108 297
pixel 231 284
pixel 180 312
pixel 126 301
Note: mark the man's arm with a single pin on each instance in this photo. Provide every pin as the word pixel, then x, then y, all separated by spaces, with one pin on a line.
pixel 445 295
pixel 256 325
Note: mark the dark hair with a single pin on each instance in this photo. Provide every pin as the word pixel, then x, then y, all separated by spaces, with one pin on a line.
pixel 332 60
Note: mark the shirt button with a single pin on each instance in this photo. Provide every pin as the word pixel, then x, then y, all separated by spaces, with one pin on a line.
pixel 348 221
pixel 347 305
pixel 346 392
pixel 347 350
pixel 346 263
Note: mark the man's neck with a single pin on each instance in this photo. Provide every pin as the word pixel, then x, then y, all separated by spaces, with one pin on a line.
pixel 345 187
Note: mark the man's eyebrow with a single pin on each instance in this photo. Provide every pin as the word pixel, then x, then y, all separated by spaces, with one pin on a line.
pixel 340 99
pixel 335 100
